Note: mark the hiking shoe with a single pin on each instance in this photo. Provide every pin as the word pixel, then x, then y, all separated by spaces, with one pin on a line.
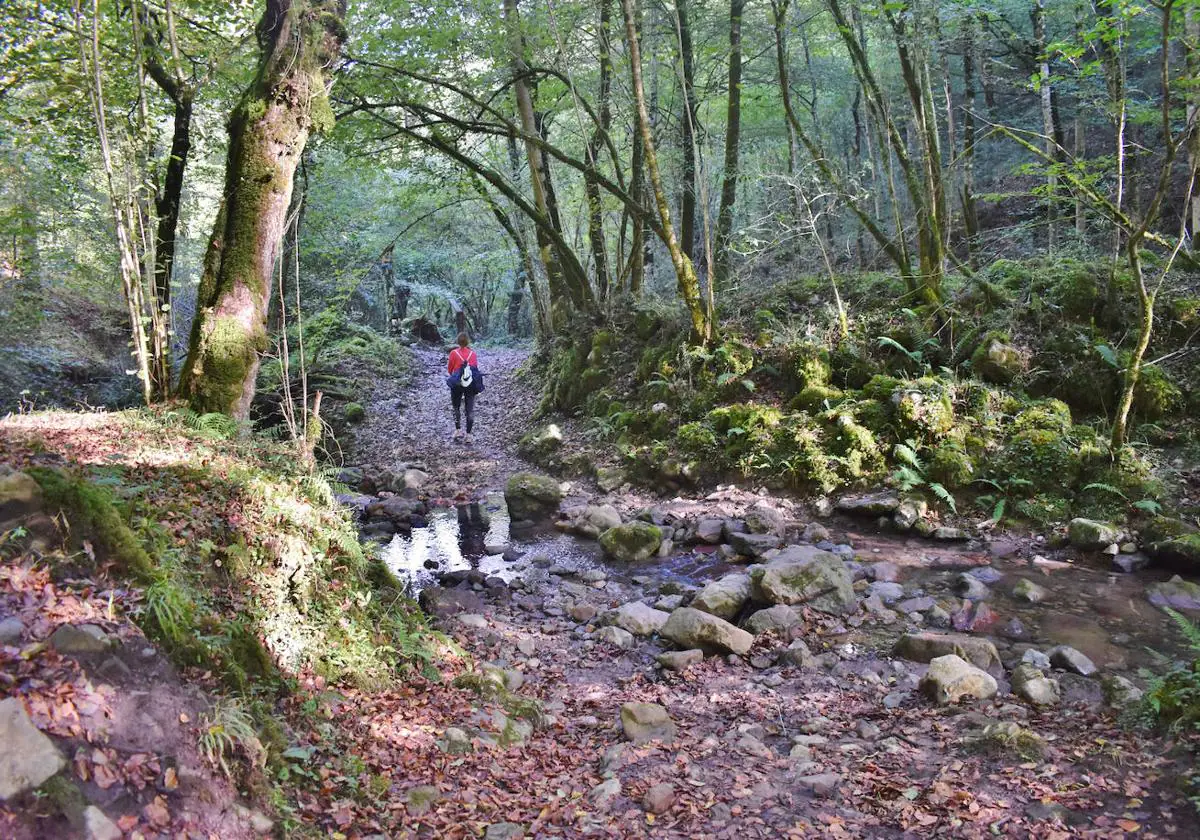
pixel 458 435
pixel 468 440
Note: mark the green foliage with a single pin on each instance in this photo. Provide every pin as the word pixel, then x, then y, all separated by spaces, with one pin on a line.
pixel 1172 700
pixel 227 732
pixel 910 474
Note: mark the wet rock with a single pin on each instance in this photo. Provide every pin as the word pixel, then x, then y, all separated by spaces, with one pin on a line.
pixel 639 619
pixel 1034 687
pixel 947 534
pixel 725 596
pixel 680 660
pixel 951 679
pixel 632 543
pixel 691 628
pixel 916 605
pixel 778 617
pixel 531 497
pixel 11 631
pixel 822 583
pixel 884 571
pixel 1027 590
pixel 1070 659
pixel 986 574
pixel 647 722
pixel 1036 658
pixel 971 587
pixel 875 504
pixel 710 531
pixel 908 513
pixel 887 592
pixel 1130 563
pixel 1176 593
pixel 604 795
pixel 617 637
pixel 73 639
pixel 659 798
pixel 97 825
pixel 396 509
pixel 1119 692
pixel 415 479
pixel 1091 534
pixel 753 545
pixel 28 758
pixel 926 646
pixel 593 520
pixel 1014 629
pixel 974 617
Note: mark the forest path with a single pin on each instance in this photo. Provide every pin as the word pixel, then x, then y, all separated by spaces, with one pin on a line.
pixel 413 424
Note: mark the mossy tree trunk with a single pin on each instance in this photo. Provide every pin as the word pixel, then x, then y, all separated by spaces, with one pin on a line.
pixel 268 129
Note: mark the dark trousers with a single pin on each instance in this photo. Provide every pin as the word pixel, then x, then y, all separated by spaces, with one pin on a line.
pixel 457 393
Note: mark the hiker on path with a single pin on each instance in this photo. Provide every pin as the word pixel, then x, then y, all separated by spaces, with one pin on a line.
pixel 465 381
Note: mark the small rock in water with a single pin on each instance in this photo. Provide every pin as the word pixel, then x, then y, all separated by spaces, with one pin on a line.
pixel 1015 629
pixel 1130 563
pixel 1036 658
pixel 1027 590
pixel 986 574
pixel 1070 659
pixel 971 587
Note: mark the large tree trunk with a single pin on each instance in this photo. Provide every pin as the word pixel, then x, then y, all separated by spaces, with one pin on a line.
pixel 685 273
pixel 733 134
pixel 267 132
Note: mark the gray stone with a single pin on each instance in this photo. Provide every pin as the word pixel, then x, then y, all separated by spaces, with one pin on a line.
pixel 647 722
pixel 415 479
pixel 946 534
pixel 28 757
pixel 97 826
pixel 815 532
pixel 1027 590
pixel 472 620
pixel 926 646
pixel 1177 593
pixel 778 617
pixel 669 602
pixel 76 639
pixel 820 784
pixel 951 679
pixel 604 795
pixel 971 587
pixel 710 531
pixel 639 619
pixel 1091 534
pixel 691 628
pixel 916 605
pixel 1130 563
pixel 725 596
pixel 986 574
pixel 20 496
pixel 765 518
pixel 617 637
pixel 1119 692
pixel 504 831
pixel 885 571
pixel 582 612
pixel 420 800
pixel 531 497
pixel 680 660
pixel 456 741
pixel 1036 658
pixel 886 591
pixel 609 479
pixel 822 583
pixel 876 504
pixel 659 798
pixel 11 630
pixel 601 517
pixel 1033 686
pixel 753 545
pixel 1070 659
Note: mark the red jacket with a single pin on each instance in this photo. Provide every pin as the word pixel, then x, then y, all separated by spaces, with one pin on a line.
pixel 460 356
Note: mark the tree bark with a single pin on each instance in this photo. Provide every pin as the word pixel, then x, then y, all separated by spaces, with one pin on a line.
pixel 685 273
pixel 1049 129
pixel 268 129
pixel 733 132
pixel 687 205
pixel 591 187
pixel 967 192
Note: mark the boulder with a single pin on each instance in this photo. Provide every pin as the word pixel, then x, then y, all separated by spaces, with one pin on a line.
pixel 415 479
pixel 971 587
pixel 1119 692
pixel 1070 659
pixel 28 758
pixel 541 443
pixel 765 518
pixel 604 795
pixel 925 647
pixel 945 534
pixel 75 639
pixel 951 679
pixel 996 361
pixel 680 660
pixel 1176 593
pixel 440 601
pixel 531 497
pixel 631 543
pixel 725 596
pixel 822 583
pixel 647 722
pixel 456 741
pixel 778 617
pixel 753 545
pixel 874 504
pixel 639 619
pixel 1181 552
pixel 1031 685
pixel 609 479
pixel 691 628
pixel 20 496
pixel 1091 534
pixel 886 591
pixel 710 531
pixel 396 509
pixel 1027 590
pixel 908 513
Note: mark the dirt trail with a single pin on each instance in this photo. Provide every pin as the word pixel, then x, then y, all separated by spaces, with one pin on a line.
pixel 414 424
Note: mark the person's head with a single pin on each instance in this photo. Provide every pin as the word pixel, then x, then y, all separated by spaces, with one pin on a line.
pixel 463 339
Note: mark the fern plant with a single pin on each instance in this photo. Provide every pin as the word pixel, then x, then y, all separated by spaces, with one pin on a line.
pixel 911 475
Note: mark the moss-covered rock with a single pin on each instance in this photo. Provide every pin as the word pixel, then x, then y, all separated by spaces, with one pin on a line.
pixel 1155 396
pixel 354 412
pixel 808 364
pixel 816 398
pixel 531 497
pixel 924 409
pixel 541 443
pixel 696 438
pixel 1044 458
pixel 951 466
pixel 631 543
pixel 996 360
pixel 1091 535
pixel 1049 415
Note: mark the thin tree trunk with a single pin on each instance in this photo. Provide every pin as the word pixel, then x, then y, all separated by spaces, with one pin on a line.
pixel 733 131
pixel 1049 129
pixel 970 216
pixel 1191 46
pixel 687 207
pixel 267 133
pixel 591 187
pixel 685 274
pixel 637 182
